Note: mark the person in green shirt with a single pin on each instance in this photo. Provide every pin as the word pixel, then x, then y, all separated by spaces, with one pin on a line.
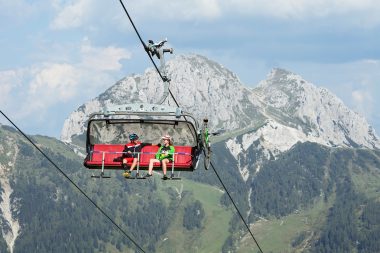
pixel 164 155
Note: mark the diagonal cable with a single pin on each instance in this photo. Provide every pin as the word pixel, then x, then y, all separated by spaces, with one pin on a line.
pixel 74 184
pixel 233 202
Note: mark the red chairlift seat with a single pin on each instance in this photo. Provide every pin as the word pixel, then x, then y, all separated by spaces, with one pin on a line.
pixel 109 156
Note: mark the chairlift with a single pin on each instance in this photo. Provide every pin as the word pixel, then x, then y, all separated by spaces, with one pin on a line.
pixel 107 135
pixel 108 131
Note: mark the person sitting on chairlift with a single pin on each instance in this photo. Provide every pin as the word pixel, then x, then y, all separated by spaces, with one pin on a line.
pixel 131 149
pixel 164 155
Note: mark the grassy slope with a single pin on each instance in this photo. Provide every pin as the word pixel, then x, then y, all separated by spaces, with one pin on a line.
pixel 276 235
pixel 55 145
pixel 367 180
pixel 211 237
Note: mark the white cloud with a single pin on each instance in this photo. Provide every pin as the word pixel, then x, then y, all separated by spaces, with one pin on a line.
pixel 71 15
pixel 361 96
pixel 74 14
pixel 55 82
pixel 9 80
pixel 102 59
pixel 173 9
pixel 197 9
pixel 34 90
pixel 363 102
pixel 300 8
pixel 365 10
pixel 12 89
pixel 372 62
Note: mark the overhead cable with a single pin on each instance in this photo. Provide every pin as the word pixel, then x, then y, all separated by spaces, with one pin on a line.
pixel 233 202
pixel 74 184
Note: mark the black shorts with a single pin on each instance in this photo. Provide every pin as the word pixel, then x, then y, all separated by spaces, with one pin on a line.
pixel 132 155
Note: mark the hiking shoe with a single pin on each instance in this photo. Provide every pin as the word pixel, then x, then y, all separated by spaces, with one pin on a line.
pixel 126 174
pixel 147 175
pixel 165 177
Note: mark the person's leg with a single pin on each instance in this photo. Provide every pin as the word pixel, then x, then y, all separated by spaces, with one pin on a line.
pixel 151 163
pixel 124 163
pixel 164 165
pixel 126 173
pixel 134 163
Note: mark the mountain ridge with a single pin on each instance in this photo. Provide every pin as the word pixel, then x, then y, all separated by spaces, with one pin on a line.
pixel 208 89
pixel 317 108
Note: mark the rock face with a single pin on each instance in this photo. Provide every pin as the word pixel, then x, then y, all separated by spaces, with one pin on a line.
pixel 284 108
pixel 9 223
pixel 294 102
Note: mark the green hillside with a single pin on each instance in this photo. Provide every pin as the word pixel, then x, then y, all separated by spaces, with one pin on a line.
pixel 315 199
pixel 52 210
pixel 310 199
pixel 290 233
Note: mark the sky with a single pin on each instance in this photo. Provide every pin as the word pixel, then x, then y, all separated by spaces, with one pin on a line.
pixel 56 55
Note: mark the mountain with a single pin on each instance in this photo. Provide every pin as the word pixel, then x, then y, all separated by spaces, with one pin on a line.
pixel 283 103
pixel 303 169
pixel 295 103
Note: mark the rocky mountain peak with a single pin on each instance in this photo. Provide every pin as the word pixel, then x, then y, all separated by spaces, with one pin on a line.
pixel 207 89
pixel 200 86
pixel 319 113
pixel 284 89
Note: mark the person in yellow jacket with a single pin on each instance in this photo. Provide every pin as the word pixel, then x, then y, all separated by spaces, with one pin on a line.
pixel 164 155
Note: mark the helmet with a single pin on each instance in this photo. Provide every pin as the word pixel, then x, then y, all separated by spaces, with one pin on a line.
pixel 133 137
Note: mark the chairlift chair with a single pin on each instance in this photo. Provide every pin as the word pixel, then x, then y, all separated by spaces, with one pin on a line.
pixel 108 131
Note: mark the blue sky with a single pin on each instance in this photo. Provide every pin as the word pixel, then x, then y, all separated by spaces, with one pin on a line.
pixel 58 54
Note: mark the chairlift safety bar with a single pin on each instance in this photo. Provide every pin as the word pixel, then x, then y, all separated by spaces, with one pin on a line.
pixel 138 159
